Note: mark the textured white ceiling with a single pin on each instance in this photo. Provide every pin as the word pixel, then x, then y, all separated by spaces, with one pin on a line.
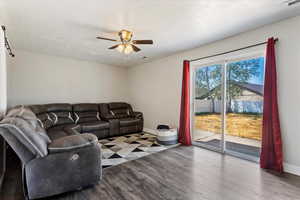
pixel 69 27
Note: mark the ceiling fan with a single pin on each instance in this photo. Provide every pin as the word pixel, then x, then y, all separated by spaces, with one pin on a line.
pixel 127 45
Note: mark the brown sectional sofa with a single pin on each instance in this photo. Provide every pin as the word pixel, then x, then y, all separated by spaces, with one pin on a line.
pixel 59 150
pixel 103 120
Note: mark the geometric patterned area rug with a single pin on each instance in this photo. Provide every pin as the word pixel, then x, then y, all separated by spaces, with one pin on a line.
pixel 120 149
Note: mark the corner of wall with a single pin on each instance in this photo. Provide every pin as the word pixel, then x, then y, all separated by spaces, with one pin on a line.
pixel 3 74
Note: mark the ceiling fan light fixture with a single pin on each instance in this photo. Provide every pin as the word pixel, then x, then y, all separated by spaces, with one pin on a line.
pixel 125 48
pixel 127 45
pixel 121 48
pixel 128 49
pixel 125 35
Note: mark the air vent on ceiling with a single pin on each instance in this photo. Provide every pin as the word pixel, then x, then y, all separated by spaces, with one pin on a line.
pixel 292 2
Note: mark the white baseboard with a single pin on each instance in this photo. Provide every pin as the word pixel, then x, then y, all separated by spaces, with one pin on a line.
pixel 289 168
pixel 292 169
pixel 148 130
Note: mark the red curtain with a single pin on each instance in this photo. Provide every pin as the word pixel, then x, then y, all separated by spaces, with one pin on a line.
pixel 271 152
pixel 184 124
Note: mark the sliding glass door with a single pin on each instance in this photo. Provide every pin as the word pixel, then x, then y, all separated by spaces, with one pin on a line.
pixel 244 102
pixel 207 105
pixel 227 102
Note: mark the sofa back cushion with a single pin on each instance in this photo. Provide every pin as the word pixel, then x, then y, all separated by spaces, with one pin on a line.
pixel 60 113
pixel 43 116
pixel 86 113
pixel 120 109
pixel 24 125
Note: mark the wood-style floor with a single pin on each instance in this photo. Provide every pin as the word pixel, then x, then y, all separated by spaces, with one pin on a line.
pixel 180 173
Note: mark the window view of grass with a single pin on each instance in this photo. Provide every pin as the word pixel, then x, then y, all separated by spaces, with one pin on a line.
pixel 244 97
pixel 237 124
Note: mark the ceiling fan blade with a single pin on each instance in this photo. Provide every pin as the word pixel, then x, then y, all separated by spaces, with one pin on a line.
pixel 113 47
pixel 102 38
pixel 142 41
pixel 135 48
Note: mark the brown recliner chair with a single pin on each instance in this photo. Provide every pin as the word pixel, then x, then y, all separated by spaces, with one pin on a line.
pixel 87 116
pixel 122 118
pixel 57 119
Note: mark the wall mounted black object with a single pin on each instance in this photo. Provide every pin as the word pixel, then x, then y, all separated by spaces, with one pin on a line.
pixel 7 45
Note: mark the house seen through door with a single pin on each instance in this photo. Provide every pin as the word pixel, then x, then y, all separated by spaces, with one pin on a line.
pixel 227 104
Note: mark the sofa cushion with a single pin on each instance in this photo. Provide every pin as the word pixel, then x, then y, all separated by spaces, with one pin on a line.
pixel 60 118
pixel 56 134
pixel 45 120
pixel 120 113
pixel 24 125
pixel 117 105
pixel 42 115
pixel 63 127
pixel 60 113
pixel 58 107
pixel 73 142
pixel 38 109
pixel 63 130
pixel 120 110
pixel 25 113
pixel 73 129
pixel 86 113
pixel 94 126
pixel 129 122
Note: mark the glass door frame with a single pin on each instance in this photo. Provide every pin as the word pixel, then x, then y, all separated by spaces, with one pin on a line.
pixel 223 102
pixel 223 61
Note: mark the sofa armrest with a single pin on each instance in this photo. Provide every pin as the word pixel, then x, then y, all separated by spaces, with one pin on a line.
pixel 71 143
pixel 66 171
pixel 138 115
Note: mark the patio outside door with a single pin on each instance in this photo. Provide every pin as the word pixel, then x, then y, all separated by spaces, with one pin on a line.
pixel 207 115
pixel 227 102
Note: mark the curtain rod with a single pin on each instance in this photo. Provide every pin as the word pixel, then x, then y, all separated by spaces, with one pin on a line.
pixel 7 45
pixel 219 54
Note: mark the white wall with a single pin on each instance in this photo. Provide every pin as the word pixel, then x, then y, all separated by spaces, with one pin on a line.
pixel 35 78
pixel 3 82
pixel 155 88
